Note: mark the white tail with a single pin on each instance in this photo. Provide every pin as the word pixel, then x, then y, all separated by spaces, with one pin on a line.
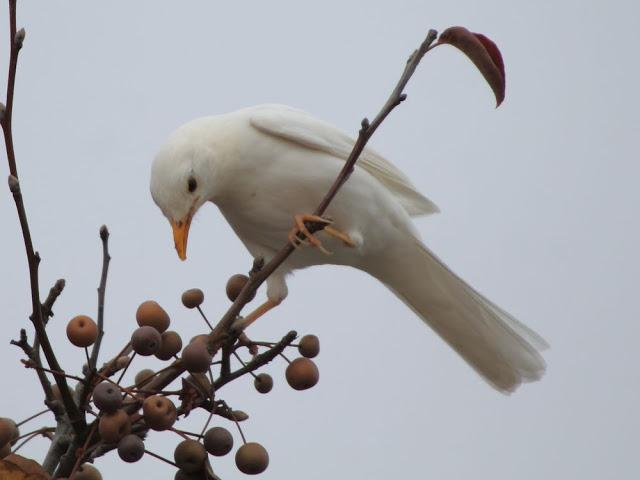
pixel 501 349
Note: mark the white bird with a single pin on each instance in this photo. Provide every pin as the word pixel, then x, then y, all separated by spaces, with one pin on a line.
pixel 264 165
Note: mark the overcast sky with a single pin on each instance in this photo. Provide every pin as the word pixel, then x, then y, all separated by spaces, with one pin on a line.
pixel 539 205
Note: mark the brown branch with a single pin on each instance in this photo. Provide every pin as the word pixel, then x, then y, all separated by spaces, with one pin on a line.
pixel 15 39
pixel 33 258
pixel 92 373
pixel 106 258
pixel 258 361
pixel 32 355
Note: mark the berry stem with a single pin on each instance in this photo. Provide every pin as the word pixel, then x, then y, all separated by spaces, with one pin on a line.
pixel 244 364
pixel 124 370
pixel 32 417
pixel 159 457
pixel 204 317
pixel 285 357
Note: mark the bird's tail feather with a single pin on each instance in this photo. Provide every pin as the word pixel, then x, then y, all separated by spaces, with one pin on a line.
pixel 500 348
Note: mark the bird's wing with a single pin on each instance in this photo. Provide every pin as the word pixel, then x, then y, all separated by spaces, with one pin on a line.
pixel 303 129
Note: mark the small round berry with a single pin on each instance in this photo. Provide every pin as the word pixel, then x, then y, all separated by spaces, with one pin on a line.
pixel 263 383
pixel 302 374
pixel 170 345
pixel 192 298
pixel 151 314
pixel 218 441
pixel 107 397
pixel 196 357
pixel 252 458
pixel 235 284
pixel 131 448
pixel 309 346
pixel 145 340
pixel 82 331
pixel 190 456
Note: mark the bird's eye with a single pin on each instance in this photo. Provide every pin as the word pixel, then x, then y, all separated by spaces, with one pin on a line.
pixel 192 184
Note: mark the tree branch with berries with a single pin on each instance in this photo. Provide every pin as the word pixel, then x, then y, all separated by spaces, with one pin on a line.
pixel 96 409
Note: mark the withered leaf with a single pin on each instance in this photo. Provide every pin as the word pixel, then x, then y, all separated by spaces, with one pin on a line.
pixel 484 54
pixel 16 467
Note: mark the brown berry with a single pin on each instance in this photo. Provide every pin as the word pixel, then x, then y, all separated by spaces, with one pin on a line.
pixel 151 314
pixel 170 345
pixel 145 340
pixel 143 375
pixel 159 412
pixel 235 284
pixel 8 431
pixel 196 357
pixel 87 471
pixel 302 373
pixel 192 298
pixel 218 441
pixel 203 337
pixel 131 448
pixel 107 397
pixel 252 458
pixel 114 426
pixel 309 346
pixel 263 383
pixel 190 456
pixel 82 331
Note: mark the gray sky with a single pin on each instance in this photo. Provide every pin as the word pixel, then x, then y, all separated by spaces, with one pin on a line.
pixel 539 212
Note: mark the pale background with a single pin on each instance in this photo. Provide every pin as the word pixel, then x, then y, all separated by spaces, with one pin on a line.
pixel 539 207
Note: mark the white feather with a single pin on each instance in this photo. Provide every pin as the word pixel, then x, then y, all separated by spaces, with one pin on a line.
pixel 299 127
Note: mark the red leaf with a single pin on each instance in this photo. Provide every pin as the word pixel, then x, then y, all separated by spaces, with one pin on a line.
pixel 484 54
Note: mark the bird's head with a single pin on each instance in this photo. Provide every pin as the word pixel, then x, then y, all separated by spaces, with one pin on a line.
pixel 182 180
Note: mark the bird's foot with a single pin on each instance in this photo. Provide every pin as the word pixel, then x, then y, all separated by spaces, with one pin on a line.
pixel 304 223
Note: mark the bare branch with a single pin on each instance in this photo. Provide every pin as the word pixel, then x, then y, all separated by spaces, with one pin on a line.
pixel 33 356
pixel 33 258
pixel 106 258
pixel 258 361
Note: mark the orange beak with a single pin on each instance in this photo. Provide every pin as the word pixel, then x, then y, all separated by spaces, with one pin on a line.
pixel 180 236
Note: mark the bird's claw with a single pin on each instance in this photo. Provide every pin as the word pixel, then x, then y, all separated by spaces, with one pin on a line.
pixel 300 233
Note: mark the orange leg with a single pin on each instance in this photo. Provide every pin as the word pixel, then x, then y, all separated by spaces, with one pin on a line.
pixel 242 323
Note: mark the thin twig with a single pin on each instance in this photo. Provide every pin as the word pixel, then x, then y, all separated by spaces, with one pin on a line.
pixel 160 457
pixel 92 360
pixel 35 415
pixel 204 317
pixel 258 361
pixel 30 436
pixel 106 258
pixel 31 354
pixel 55 373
